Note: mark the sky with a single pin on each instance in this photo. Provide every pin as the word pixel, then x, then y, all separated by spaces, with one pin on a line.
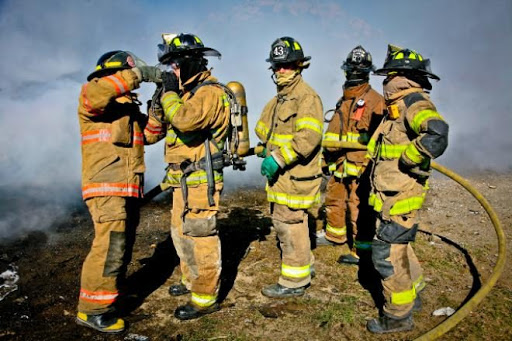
pixel 50 47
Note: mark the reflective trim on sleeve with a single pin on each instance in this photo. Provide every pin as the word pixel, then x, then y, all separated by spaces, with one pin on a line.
pixel 280 139
pixel 421 116
pixel 171 102
pixel 194 179
pixel 138 138
pixel 288 153
pixel 261 129
pixel 203 300
pixel 403 297
pixel 295 271
pixel 292 201
pixel 413 154
pixel 336 231
pixel 419 284
pixel 371 149
pixel 100 135
pixel 351 169
pixel 153 129
pixel 331 137
pixel 119 84
pixel 309 123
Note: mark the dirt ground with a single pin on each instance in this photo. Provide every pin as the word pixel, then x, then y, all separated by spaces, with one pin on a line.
pixel 457 247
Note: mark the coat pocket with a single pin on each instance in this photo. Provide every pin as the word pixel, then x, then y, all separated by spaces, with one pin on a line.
pixel 102 170
pixel 122 131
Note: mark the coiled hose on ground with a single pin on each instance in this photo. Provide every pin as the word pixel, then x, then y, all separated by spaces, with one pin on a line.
pixel 463 311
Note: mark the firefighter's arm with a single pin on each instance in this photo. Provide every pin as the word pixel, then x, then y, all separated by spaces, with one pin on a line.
pixel 432 135
pixel 97 93
pixel 196 114
pixel 263 125
pixel 156 127
pixel 333 132
pixel 308 133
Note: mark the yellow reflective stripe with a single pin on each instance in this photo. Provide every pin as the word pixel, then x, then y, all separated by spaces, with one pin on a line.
pixel 261 128
pixel 392 151
pixel 403 297
pixel 177 41
pixel 353 137
pixel 375 201
pixel 419 284
pixel 224 100
pixel 421 116
pixel 296 46
pixel 399 55
pixel 413 154
pixel 171 102
pixel 338 174
pixel 331 137
pixel 351 169
pixel 203 300
pixel 337 231
pixel 171 138
pixel 371 148
pixel 287 43
pixel 309 123
pixel 194 179
pixel 332 167
pixel 295 271
pixel 407 205
pixel 280 139
pixel 292 201
pixel 288 153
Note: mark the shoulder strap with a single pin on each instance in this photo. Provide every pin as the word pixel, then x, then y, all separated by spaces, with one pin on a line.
pixel 412 98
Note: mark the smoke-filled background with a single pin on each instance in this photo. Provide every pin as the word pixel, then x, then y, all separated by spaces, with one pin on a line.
pixel 49 47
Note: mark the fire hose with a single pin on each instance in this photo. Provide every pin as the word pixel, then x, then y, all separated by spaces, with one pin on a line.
pixel 463 311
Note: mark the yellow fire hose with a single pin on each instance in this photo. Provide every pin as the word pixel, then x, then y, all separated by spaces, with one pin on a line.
pixel 463 311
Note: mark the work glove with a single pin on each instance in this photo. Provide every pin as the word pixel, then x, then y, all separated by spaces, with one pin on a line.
pixel 263 152
pixel 149 74
pixel 421 171
pixel 269 167
pixel 170 81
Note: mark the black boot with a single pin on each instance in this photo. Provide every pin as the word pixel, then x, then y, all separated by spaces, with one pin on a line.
pixel 189 311
pixel 178 289
pixel 105 323
pixel 386 324
pixel 279 291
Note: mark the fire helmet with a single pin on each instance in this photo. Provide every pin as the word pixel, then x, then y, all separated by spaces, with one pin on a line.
pixel 184 44
pixel 358 60
pixel 287 50
pixel 405 61
pixel 187 51
pixel 114 61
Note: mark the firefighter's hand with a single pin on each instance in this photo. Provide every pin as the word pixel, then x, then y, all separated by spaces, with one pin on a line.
pixel 263 150
pixel 149 74
pixel 170 81
pixel 269 167
pixel 416 170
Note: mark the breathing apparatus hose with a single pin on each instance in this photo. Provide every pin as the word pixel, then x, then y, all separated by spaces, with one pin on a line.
pixel 463 311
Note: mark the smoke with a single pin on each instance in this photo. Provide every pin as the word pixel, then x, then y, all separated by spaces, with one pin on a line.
pixel 50 47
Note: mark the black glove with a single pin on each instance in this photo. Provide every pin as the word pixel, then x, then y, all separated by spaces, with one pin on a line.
pixel 170 82
pixel 150 74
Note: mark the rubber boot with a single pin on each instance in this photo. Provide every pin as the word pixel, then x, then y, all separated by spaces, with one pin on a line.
pixel 105 323
pixel 386 324
pixel 190 311
pixel 351 258
pixel 280 291
pixel 178 289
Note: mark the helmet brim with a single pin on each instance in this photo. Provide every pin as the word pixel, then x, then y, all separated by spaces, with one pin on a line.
pixel 204 51
pixel 305 59
pixel 104 72
pixel 385 71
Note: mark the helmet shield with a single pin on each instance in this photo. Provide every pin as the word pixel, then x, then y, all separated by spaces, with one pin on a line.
pixel 358 60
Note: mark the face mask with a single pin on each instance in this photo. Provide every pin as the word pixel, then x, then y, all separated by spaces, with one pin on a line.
pixel 285 78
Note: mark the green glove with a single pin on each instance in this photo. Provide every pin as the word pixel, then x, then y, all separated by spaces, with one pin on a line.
pixel 269 167
pixel 150 74
pixel 263 153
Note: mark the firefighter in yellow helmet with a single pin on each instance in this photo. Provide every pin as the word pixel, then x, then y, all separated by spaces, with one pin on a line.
pixel 193 114
pixel 410 136
pixel 291 129
pixel 111 126
pixel 357 115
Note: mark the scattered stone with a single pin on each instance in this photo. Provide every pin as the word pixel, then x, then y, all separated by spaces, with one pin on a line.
pixel 492 186
pixel 136 337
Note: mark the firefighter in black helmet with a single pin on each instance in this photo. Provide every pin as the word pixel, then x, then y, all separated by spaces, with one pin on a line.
pixel 349 219
pixel 195 113
pixel 290 127
pixel 410 136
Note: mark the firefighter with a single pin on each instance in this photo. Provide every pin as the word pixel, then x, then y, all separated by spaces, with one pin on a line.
pixel 193 114
pixel 410 136
pixel 357 115
pixel 111 126
pixel 291 129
